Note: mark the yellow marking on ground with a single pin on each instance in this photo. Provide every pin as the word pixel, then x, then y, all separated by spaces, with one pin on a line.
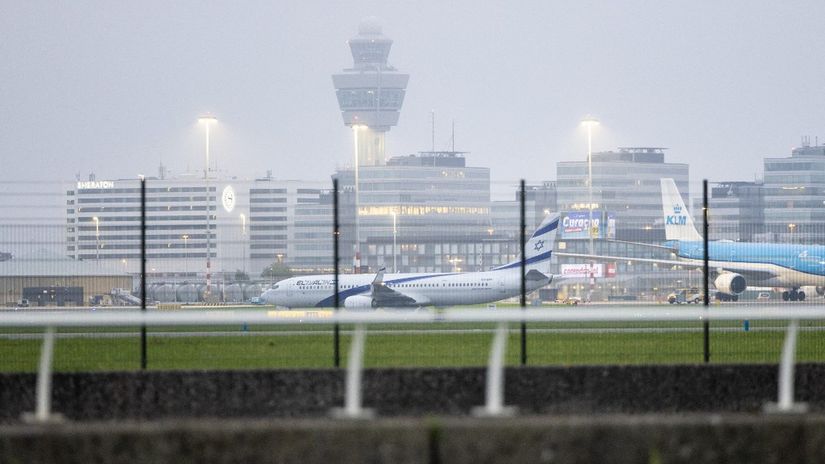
pixel 311 314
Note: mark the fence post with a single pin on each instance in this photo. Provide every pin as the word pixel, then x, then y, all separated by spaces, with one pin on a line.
pixel 43 410
pixel 494 391
pixel 143 266
pixel 706 269
pixel 522 239
pixel 336 233
pixel 353 390
pixel 785 402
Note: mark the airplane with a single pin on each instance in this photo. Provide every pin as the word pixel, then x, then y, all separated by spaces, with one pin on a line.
pixel 368 291
pixel 734 266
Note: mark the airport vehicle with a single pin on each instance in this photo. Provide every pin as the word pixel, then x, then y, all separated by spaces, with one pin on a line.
pixel 570 300
pixel 364 291
pixel 686 295
pixel 734 265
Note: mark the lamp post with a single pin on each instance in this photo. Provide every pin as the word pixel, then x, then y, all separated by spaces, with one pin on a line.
pixel 207 121
pixel 357 253
pixel 791 229
pixel 590 122
pixel 97 237
pixel 394 233
pixel 185 238
pixel 280 257
pixel 243 240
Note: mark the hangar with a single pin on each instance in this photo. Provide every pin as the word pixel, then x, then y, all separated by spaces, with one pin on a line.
pixel 49 279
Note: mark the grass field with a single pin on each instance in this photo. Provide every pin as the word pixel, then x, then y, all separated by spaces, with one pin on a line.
pixel 406 346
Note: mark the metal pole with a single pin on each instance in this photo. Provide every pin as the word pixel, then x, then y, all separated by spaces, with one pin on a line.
pixel 494 391
pixel 208 293
pixel 786 368
pixel 706 267
pixel 143 270
pixel 44 378
pixel 590 205
pixel 394 233
pixel 336 298
pixel 523 273
pixel 356 260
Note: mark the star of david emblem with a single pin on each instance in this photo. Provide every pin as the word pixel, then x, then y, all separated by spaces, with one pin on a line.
pixel 539 245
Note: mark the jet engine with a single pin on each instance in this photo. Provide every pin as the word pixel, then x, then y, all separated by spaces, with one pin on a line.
pixel 360 302
pixel 730 283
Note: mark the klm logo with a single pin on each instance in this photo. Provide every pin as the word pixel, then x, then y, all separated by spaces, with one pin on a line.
pixel 675 220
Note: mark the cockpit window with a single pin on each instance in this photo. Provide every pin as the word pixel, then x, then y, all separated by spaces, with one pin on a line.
pixel 275 287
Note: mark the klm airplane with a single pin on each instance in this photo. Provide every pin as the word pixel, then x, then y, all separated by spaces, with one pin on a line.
pixel 365 291
pixel 738 265
pixel 735 266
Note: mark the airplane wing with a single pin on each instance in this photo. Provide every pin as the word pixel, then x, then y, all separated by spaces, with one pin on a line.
pixel 739 268
pixel 386 296
pixel 667 262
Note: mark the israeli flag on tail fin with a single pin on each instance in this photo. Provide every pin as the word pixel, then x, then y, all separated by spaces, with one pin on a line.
pixel 539 248
pixel 678 221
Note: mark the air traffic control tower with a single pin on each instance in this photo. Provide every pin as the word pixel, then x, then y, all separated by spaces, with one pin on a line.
pixel 370 93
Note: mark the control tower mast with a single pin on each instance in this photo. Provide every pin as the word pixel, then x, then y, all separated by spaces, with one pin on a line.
pixel 370 94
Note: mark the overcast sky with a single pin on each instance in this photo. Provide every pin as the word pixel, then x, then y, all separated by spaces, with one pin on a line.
pixel 115 87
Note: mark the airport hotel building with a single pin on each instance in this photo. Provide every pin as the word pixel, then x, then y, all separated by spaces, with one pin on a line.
pixel 246 228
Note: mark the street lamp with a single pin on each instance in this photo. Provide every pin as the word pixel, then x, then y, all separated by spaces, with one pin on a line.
pixel 207 121
pixel 185 238
pixel 589 122
pixel 791 229
pixel 357 257
pixel 394 233
pixel 243 240
pixel 280 257
pixel 97 237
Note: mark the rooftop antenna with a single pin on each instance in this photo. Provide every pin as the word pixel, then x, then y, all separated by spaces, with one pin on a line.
pixel 453 137
pixel 432 114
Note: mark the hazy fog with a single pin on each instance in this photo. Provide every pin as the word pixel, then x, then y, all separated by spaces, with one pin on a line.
pixel 116 87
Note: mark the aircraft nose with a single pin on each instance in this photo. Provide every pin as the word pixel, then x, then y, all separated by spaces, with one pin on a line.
pixel 269 296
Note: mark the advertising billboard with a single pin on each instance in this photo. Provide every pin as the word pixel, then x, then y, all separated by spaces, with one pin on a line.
pixel 576 225
pixel 582 270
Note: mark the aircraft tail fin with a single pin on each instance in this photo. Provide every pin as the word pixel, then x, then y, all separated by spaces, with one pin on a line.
pixel 678 221
pixel 539 247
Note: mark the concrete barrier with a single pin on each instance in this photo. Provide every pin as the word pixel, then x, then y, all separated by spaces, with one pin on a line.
pixel 722 438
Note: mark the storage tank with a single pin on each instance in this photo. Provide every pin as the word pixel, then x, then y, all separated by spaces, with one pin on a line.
pixel 165 293
pixel 187 293
pixel 252 291
pixel 233 293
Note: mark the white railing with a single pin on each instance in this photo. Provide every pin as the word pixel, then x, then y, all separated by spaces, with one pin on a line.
pixel 495 373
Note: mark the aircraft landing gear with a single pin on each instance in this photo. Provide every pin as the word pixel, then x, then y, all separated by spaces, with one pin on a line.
pixel 726 297
pixel 793 295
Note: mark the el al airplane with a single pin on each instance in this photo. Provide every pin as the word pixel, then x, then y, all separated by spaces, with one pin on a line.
pixel 363 291
pixel 735 265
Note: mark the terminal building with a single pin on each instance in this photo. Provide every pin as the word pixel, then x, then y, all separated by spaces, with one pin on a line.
pixel 794 195
pixel 247 229
pixel 426 212
pixel 627 203
pixel 736 211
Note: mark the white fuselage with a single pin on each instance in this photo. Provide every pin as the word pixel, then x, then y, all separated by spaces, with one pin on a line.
pixel 425 289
